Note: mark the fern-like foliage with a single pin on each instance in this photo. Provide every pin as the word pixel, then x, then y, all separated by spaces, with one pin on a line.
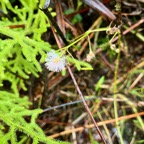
pixel 13 111
pixel 18 51
pixel 20 47
pixel 18 57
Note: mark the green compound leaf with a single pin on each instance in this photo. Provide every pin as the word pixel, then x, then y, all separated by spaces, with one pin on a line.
pixel 13 111
pixel 80 65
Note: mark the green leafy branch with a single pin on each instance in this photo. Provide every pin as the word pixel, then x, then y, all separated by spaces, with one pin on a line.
pixel 13 111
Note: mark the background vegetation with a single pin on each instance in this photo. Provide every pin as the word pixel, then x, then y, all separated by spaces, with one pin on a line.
pixel 112 81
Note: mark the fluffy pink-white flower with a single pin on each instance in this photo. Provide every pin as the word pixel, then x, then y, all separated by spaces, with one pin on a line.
pixel 54 62
pixel 90 56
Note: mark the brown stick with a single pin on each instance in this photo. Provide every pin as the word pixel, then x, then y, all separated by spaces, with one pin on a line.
pixel 99 124
pixel 74 80
pixel 129 29
pixel 85 104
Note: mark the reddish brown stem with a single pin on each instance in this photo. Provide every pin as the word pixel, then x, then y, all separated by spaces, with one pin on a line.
pixel 75 83
pixel 130 29
pixel 85 104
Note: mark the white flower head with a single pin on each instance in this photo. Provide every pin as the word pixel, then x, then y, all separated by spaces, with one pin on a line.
pixel 55 62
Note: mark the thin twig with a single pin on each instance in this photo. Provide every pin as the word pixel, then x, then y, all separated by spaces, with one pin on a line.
pixel 130 29
pixel 66 104
pixel 111 121
pixel 85 104
pixel 101 99
pixel 46 11
pixel 72 76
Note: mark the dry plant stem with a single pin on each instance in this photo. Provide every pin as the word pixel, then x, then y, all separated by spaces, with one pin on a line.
pixel 140 103
pixel 86 107
pixel 136 81
pixel 72 76
pixel 84 42
pixel 109 138
pixel 79 129
pixel 64 105
pixel 55 25
pixel 129 29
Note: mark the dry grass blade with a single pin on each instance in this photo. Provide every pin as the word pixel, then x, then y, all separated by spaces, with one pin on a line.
pixel 96 4
pixel 99 124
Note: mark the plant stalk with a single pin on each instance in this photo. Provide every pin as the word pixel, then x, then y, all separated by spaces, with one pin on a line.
pixel 73 78
pixel 85 104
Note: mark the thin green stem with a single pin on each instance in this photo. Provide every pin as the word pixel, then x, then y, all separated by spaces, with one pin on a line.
pixel 115 100
pixel 83 36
